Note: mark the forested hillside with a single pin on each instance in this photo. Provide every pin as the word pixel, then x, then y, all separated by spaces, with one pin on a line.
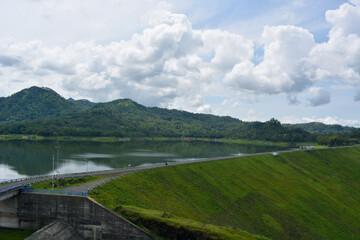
pixel 34 103
pixel 321 128
pixel 41 111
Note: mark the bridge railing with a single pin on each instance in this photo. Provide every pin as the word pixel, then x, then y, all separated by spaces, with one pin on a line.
pixel 11 188
pixel 57 192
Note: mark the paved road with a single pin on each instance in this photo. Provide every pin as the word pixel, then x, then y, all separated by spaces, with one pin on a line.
pixel 122 171
pixel 115 173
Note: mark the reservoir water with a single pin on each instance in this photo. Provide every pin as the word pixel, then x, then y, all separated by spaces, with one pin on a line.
pixel 31 158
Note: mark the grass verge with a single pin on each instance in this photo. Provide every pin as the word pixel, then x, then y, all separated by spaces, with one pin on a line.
pixel 60 184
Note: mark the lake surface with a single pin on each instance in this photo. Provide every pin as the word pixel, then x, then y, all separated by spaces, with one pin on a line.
pixel 31 158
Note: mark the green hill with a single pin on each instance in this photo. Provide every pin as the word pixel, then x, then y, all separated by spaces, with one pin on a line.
pixel 297 195
pixel 33 103
pixel 41 111
pixel 321 128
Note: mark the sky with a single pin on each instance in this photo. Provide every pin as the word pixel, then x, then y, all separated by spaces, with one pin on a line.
pixel 294 60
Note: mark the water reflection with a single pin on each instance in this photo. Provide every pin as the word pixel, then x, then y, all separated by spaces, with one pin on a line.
pixel 149 154
pixel 73 166
pixel 6 172
pixel 30 158
pixel 93 155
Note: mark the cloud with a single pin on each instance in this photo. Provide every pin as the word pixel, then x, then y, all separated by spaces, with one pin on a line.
pixel 292 99
pixel 8 61
pixel 339 58
pixel 252 115
pixel 318 97
pixel 293 62
pixel 285 48
pixel 168 62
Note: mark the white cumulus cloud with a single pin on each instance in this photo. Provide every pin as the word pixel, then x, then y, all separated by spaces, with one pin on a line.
pixel 168 63
pixel 339 58
pixel 285 49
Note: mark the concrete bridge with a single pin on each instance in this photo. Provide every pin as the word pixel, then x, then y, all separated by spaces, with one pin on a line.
pixel 87 218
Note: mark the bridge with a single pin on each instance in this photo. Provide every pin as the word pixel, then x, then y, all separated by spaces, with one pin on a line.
pixel 24 208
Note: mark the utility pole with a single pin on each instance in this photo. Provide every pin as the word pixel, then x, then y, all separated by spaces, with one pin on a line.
pixel 53 173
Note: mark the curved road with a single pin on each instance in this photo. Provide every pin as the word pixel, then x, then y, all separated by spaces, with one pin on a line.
pixel 122 171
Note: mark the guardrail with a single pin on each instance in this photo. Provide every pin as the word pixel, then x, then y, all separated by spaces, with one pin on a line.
pixel 57 192
pixel 11 188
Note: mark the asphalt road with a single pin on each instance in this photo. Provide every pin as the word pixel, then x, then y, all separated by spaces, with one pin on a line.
pixel 122 171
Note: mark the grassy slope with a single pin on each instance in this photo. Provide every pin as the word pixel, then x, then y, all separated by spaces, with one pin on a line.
pixel 299 195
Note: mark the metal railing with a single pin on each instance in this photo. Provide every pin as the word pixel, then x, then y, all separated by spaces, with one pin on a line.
pixel 57 192
pixel 11 188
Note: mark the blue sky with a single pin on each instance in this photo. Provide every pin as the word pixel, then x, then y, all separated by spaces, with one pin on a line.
pixel 297 61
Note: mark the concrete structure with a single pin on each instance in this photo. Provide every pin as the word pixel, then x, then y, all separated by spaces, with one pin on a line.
pixel 9 217
pixel 10 191
pixel 90 219
pixel 55 231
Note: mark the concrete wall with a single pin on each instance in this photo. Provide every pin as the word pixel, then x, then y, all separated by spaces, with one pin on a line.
pixel 90 219
pixel 9 212
pixel 55 231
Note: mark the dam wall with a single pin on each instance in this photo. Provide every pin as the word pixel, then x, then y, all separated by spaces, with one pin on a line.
pixel 90 219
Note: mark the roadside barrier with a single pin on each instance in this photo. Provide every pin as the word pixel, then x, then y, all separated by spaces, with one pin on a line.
pixel 57 192
pixel 11 188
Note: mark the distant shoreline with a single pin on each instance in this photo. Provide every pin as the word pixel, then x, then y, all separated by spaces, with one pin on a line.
pixel 132 139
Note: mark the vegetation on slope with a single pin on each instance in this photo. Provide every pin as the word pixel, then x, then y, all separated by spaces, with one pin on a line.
pixel 321 128
pixel 297 195
pixel 34 103
pixel 340 139
pixel 43 112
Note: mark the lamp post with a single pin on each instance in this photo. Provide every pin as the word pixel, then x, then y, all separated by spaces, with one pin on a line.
pixel 53 176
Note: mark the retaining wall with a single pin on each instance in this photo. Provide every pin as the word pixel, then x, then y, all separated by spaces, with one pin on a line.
pixel 9 212
pixel 90 219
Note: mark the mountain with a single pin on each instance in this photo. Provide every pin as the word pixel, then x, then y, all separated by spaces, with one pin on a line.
pixel 321 128
pixel 42 111
pixel 34 103
pixel 82 102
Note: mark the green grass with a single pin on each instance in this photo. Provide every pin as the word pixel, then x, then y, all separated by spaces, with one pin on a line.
pixel 15 234
pixel 298 195
pixel 175 224
pixel 67 182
